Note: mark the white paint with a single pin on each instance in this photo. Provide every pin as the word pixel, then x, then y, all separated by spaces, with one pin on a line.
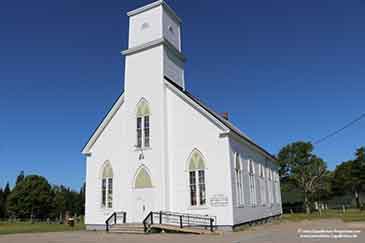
pixel 178 125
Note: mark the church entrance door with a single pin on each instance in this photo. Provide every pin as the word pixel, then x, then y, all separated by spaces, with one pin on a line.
pixel 144 205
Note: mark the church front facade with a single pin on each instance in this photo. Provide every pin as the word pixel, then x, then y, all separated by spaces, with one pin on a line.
pixel 161 149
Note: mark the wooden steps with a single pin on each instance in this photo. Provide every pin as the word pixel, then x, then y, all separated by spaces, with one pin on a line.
pixel 190 230
pixel 127 228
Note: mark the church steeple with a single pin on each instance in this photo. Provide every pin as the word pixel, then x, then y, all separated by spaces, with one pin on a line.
pixel 153 25
pixel 154 21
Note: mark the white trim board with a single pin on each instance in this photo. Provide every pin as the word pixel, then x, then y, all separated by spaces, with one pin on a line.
pixel 99 130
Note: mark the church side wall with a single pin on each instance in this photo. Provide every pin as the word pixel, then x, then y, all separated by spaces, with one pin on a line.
pixel 262 209
pixel 189 129
pixel 108 147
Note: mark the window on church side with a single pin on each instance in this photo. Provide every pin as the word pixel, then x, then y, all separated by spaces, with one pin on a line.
pixel 277 187
pixel 139 132
pixel 262 184
pixel 192 188
pixel 110 192
pixel 146 131
pixel 197 183
pixel 107 186
pixel 143 124
pixel 239 181
pixel 252 182
pixel 270 186
pixel 103 192
pixel 202 196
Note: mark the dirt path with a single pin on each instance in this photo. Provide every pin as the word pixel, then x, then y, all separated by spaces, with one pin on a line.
pixel 285 232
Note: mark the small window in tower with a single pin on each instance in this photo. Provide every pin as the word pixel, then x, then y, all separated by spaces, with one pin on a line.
pixel 171 29
pixel 145 25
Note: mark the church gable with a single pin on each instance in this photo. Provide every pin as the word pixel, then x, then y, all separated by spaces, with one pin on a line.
pixel 103 124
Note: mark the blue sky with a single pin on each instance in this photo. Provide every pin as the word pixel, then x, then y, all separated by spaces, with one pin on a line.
pixel 284 70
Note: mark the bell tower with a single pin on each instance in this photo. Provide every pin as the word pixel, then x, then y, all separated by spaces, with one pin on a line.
pixel 154 52
pixel 154 25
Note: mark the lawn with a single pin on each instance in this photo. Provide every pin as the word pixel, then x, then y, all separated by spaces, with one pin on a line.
pixel 350 215
pixel 26 227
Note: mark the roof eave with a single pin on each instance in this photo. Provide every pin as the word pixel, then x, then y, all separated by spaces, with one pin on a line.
pixel 248 141
pixel 102 125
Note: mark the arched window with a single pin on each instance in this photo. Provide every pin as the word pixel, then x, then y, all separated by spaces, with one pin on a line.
pixel 270 185
pixel 143 124
pixel 277 187
pixel 197 179
pixel 143 179
pixel 262 184
pixel 107 186
pixel 239 180
pixel 252 182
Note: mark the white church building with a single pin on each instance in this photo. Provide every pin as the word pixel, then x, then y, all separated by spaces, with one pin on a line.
pixel 161 149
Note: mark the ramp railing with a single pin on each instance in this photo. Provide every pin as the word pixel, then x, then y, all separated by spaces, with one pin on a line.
pixel 180 220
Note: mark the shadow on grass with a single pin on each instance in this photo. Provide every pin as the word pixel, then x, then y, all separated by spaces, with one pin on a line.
pixel 25 227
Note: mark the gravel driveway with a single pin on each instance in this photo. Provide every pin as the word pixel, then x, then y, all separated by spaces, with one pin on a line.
pixel 285 232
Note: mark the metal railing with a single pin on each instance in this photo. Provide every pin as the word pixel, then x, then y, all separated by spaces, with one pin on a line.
pixel 180 220
pixel 115 218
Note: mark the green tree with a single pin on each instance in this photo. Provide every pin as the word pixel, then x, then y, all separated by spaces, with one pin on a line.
pixel 20 177
pixel 342 179
pixel 360 163
pixel 59 202
pixel 298 165
pixel 30 198
pixel 324 192
pixel 67 200
pixel 80 209
pixel 349 176
pixel 6 193
pixel 2 204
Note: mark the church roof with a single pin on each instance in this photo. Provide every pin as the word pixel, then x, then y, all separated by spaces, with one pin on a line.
pixel 110 114
pixel 102 125
pixel 216 115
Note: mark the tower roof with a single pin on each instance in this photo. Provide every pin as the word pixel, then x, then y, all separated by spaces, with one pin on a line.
pixel 153 5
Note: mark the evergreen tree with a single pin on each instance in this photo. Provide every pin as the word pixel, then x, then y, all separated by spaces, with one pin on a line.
pixel 30 198
pixel 6 193
pixel 2 204
pixel 59 203
pixel 7 190
pixel 20 177
pixel 81 200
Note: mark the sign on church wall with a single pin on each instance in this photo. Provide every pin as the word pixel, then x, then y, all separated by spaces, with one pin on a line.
pixel 219 200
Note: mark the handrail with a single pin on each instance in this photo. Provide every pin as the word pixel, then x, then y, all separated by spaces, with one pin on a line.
pixel 178 219
pixel 114 216
pixel 194 215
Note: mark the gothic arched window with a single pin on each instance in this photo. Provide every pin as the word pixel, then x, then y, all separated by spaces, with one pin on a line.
pixel 107 186
pixel 239 180
pixel 197 179
pixel 262 184
pixel 252 182
pixel 143 179
pixel 143 124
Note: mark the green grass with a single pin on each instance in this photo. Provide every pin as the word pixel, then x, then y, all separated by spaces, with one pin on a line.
pixel 351 215
pixel 26 227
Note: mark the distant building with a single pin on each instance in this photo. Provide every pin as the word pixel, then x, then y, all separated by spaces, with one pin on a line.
pixel 159 148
